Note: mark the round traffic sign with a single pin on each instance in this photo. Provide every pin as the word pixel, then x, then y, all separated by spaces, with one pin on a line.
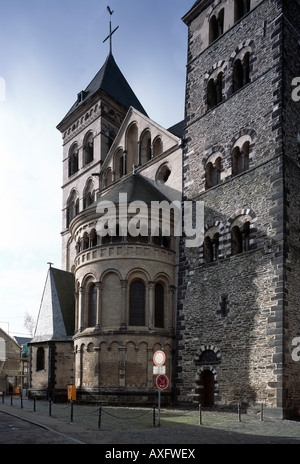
pixel 162 382
pixel 159 358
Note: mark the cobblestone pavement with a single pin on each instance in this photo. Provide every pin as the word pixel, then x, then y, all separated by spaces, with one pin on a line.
pixel 125 425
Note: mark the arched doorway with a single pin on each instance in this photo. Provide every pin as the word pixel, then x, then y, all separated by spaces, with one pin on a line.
pixel 207 388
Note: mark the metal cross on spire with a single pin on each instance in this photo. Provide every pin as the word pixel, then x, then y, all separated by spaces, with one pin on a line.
pixel 110 31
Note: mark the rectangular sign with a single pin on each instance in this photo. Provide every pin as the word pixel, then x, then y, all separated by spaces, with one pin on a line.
pixel 158 370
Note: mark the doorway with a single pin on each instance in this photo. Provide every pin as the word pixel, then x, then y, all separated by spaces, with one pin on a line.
pixel 207 381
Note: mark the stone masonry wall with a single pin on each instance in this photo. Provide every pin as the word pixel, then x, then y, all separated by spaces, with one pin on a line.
pixel 234 306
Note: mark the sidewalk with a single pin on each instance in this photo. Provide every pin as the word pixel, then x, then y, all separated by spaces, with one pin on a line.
pixel 124 425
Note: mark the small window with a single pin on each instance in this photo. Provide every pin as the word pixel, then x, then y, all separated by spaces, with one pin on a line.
pixel 240 238
pixel 137 304
pixel 40 359
pixel 241 73
pixel 213 173
pixel 216 26
pixel 240 159
pixel 211 248
pixel 73 161
pixel 241 8
pixel 92 305
pixel 214 91
pixel 159 305
pixel 89 149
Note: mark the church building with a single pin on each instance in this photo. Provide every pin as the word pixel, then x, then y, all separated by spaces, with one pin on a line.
pixel 224 312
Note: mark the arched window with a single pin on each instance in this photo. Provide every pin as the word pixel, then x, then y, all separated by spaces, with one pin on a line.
pixel 137 303
pixel 40 359
pixel 107 177
pixel 214 91
pixel 132 148
pixel 240 238
pixel 93 238
pixel 88 194
pixel 72 207
pixel 213 173
pixel 85 241
pixel 119 164
pixel 89 149
pixel 157 147
pixel 241 72
pixel 159 305
pixel 241 8
pixel 240 159
pixel 211 248
pixel 92 305
pixel 216 26
pixel 73 160
pixel 145 147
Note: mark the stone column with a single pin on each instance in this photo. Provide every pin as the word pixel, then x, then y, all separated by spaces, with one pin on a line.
pixel 99 306
pixel 123 304
pixel 151 286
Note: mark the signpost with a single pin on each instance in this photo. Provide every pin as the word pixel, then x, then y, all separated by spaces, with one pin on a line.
pixel 162 380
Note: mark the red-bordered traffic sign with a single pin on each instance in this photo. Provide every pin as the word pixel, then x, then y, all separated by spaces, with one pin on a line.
pixel 159 358
pixel 162 382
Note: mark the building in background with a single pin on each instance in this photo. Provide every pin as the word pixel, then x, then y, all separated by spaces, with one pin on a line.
pixel 10 364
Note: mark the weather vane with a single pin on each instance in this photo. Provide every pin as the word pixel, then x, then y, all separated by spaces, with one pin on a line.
pixel 110 31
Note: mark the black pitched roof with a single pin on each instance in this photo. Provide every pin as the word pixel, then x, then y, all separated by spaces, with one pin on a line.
pixel 111 81
pixel 178 129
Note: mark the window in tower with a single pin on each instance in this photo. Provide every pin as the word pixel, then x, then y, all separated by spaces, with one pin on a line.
pixel 213 173
pixel 73 160
pixel 216 26
pixel 240 159
pixel 92 305
pixel 72 207
pixel 211 248
pixel 241 8
pixel 137 304
pixel 241 72
pixel 159 305
pixel 214 91
pixel 89 149
pixel 240 238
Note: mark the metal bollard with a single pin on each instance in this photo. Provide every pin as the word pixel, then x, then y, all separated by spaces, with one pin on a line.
pixel 50 407
pixel 3 397
pixel 200 414
pixel 239 412
pixel 99 417
pixel 261 412
pixel 11 400
pixel 21 401
pixel 34 400
pixel 71 411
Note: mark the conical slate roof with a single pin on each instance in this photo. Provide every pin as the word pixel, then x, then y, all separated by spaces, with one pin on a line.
pixel 137 188
pixel 111 81
pixel 56 315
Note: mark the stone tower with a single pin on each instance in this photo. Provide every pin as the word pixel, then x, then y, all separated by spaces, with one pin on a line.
pixel 238 303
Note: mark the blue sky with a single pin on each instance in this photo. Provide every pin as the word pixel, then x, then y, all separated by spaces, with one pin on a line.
pixel 49 51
